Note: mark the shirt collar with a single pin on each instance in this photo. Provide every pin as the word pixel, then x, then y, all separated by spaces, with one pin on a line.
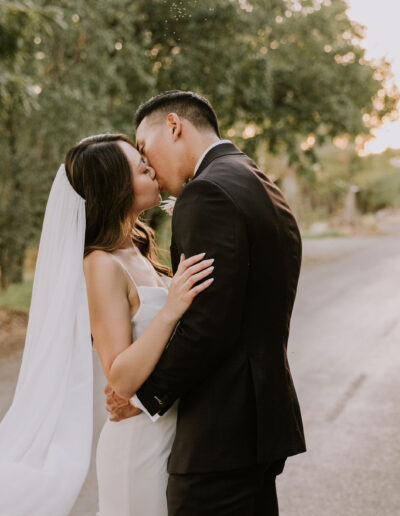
pixel 219 142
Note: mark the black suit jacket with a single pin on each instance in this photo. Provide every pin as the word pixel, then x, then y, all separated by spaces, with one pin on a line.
pixel 227 359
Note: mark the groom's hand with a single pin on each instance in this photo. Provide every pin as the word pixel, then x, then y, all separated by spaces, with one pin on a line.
pixel 119 408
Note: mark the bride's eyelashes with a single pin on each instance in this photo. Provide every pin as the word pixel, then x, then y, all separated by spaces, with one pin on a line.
pixel 144 162
pixel 146 169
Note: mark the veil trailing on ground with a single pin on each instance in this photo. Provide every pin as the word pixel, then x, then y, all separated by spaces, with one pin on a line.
pixel 46 435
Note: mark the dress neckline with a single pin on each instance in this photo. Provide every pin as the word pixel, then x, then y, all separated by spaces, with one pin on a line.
pixel 138 287
pixel 130 275
pixel 141 300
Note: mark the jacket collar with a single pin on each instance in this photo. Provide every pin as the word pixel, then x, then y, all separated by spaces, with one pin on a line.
pixel 224 149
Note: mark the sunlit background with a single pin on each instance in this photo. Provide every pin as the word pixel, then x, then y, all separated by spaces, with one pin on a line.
pixel 308 88
pixel 382 39
pixel 294 89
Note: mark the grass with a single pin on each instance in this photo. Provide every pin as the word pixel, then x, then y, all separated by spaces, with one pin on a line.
pixel 17 297
pixel 377 176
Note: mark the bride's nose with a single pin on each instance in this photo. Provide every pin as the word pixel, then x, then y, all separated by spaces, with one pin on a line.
pixel 152 173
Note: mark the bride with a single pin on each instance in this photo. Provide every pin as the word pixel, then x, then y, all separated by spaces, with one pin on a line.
pixel 129 302
pixel 97 279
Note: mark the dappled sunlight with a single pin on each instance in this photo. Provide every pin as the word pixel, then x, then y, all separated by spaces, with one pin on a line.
pixel 387 136
pixel 381 40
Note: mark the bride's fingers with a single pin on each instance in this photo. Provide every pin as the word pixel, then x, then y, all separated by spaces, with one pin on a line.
pixel 197 277
pixel 108 389
pixel 121 403
pixel 198 267
pixel 116 402
pixel 200 287
pixel 184 264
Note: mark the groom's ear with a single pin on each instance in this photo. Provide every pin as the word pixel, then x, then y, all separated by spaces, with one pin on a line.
pixel 174 125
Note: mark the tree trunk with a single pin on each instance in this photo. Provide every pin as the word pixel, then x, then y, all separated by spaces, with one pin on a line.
pixel 290 187
pixel 4 270
pixel 351 214
pixel 17 269
pixel 13 254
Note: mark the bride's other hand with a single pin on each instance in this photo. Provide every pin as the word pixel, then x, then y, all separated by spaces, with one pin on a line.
pixel 119 408
pixel 186 285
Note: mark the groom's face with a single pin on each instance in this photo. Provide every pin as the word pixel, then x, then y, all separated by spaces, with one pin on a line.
pixel 156 140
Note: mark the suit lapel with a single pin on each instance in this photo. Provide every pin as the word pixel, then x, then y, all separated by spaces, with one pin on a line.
pixel 223 149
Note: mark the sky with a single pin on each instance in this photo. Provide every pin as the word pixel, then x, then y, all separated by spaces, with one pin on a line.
pixel 382 21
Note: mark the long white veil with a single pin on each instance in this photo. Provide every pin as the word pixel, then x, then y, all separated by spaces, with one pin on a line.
pixel 46 435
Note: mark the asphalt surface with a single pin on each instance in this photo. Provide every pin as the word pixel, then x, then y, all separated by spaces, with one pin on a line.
pixel 344 352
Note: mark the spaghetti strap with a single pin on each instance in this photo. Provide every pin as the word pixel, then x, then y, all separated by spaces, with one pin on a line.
pixel 126 270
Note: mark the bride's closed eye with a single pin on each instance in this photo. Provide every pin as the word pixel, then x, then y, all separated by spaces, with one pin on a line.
pixel 144 161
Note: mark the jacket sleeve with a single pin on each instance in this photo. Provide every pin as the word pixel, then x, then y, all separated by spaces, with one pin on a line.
pixel 205 220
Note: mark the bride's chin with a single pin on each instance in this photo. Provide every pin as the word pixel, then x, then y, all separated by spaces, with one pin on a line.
pixel 156 202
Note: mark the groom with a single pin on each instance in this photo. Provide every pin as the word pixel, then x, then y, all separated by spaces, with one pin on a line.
pixel 238 415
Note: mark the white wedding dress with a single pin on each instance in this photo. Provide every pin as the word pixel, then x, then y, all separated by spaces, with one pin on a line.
pixel 132 454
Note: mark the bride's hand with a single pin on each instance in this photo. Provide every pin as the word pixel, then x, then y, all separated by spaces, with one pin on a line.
pixel 184 286
pixel 119 408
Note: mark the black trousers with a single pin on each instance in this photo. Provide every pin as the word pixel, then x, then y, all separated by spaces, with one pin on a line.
pixel 244 492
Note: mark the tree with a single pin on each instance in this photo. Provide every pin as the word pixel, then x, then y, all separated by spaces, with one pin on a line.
pixel 323 84
pixel 286 74
pixel 18 98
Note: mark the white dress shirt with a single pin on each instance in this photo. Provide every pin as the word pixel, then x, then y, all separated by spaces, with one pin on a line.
pixel 135 400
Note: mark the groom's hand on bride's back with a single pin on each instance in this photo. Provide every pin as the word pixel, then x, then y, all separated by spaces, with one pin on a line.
pixel 119 408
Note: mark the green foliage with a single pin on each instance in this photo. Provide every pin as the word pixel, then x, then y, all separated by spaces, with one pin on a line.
pixel 377 178
pixel 276 71
pixel 17 297
pixel 383 188
pixel 322 84
pixel 384 193
pixel 19 22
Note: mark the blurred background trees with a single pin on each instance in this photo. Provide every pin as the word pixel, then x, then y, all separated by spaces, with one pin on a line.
pixel 287 78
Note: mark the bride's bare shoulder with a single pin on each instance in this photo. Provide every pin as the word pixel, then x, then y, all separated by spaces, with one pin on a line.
pixel 97 258
pixel 100 263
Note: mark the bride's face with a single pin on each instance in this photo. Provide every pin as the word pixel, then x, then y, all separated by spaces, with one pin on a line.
pixel 146 190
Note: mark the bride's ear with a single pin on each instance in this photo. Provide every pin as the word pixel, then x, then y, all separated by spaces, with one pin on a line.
pixel 174 125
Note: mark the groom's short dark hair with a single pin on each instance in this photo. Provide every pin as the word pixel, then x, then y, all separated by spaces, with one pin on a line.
pixel 187 104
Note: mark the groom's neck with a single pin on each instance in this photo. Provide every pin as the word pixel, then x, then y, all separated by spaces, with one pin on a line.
pixel 198 147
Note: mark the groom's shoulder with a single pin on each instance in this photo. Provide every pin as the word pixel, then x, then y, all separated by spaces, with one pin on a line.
pixel 200 190
pixel 228 167
pixel 226 176
pixel 233 173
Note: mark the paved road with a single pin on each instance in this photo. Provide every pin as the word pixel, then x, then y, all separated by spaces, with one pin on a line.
pixel 344 352
pixel 345 357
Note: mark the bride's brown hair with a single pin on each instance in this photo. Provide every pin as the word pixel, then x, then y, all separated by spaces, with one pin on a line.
pixel 99 171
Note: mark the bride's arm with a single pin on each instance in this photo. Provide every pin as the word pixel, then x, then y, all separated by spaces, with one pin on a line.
pixel 127 365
